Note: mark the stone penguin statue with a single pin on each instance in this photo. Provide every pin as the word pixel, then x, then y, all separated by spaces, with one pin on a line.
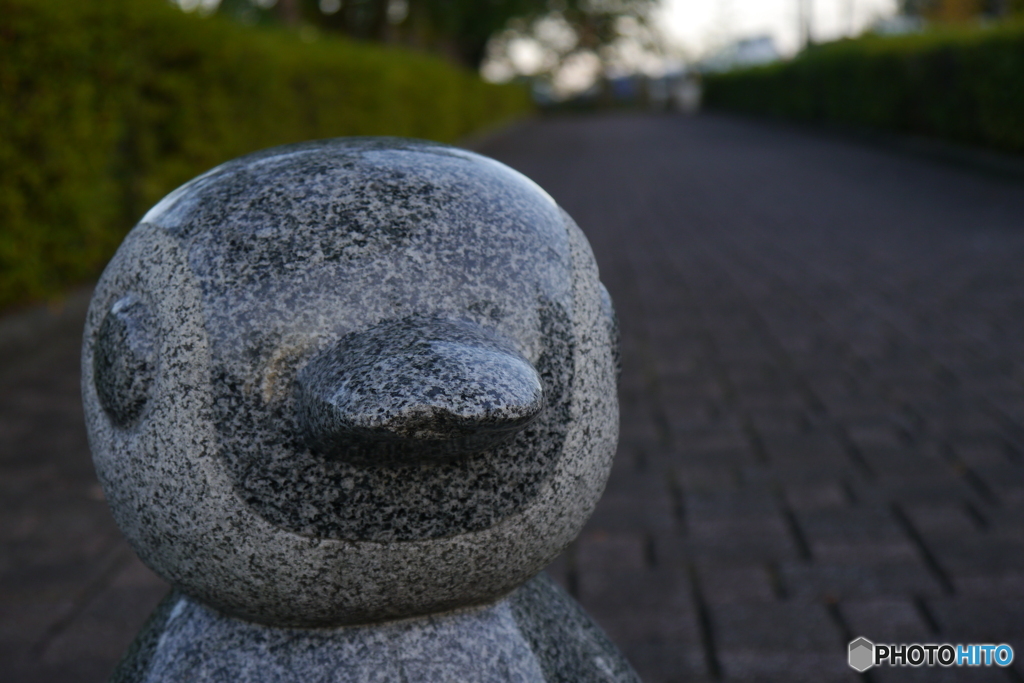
pixel 349 397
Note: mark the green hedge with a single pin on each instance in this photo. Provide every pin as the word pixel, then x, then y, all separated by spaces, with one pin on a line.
pixel 106 106
pixel 964 86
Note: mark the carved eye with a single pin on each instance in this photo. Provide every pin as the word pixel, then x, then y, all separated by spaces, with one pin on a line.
pixel 124 360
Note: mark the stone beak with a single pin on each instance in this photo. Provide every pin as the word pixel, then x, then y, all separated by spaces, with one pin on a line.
pixel 416 390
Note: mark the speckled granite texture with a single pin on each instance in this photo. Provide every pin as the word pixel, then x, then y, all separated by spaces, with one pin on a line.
pixel 536 635
pixel 352 381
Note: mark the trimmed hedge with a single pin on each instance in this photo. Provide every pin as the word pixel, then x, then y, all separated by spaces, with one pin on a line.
pixel 966 86
pixel 107 106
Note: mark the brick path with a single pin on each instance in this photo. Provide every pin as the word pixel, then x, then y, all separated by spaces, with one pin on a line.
pixel 822 415
pixel 822 398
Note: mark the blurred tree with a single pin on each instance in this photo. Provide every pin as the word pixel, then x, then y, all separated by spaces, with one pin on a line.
pixel 961 11
pixel 457 29
pixel 289 12
pixel 576 42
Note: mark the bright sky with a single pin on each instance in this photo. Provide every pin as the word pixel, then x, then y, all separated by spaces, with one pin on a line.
pixel 699 25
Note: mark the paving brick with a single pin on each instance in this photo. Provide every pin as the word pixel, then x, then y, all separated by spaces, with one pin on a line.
pixel 729 452
pixel 1005 480
pixel 979 554
pixel 899 674
pixel 882 436
pixel 805 447
pixel 715 444
pixel 830 582
pixel 886 620
pixel 982 452
pixel 772 641
pixel 855 535
pixel 770 420
pixel 609 567
pixel 659 659
pixel 711 478
pixel 979 620
pixel 813 472
pixel 990 584
pixel 111 618
pixel 939 521
pixel 648 612
pixel 724 583
pixel 625 509
pixel 803 496
pixel 926 487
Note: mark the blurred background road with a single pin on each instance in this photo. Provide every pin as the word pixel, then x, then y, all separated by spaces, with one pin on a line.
pixel 822 414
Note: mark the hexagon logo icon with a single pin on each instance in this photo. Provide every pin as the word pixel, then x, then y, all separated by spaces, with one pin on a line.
pixel 862 654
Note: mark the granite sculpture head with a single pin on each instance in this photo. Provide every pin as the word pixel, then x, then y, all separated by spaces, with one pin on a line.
pixel 351 380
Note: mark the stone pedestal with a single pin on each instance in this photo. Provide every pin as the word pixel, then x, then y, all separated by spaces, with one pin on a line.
pixel 536 634
pixel 349 398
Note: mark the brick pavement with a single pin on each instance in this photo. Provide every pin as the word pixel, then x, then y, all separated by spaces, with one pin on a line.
pixel 822 397
pixel 72 594
pixel 822 415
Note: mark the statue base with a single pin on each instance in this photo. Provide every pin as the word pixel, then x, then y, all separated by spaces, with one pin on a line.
pixel 536 634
